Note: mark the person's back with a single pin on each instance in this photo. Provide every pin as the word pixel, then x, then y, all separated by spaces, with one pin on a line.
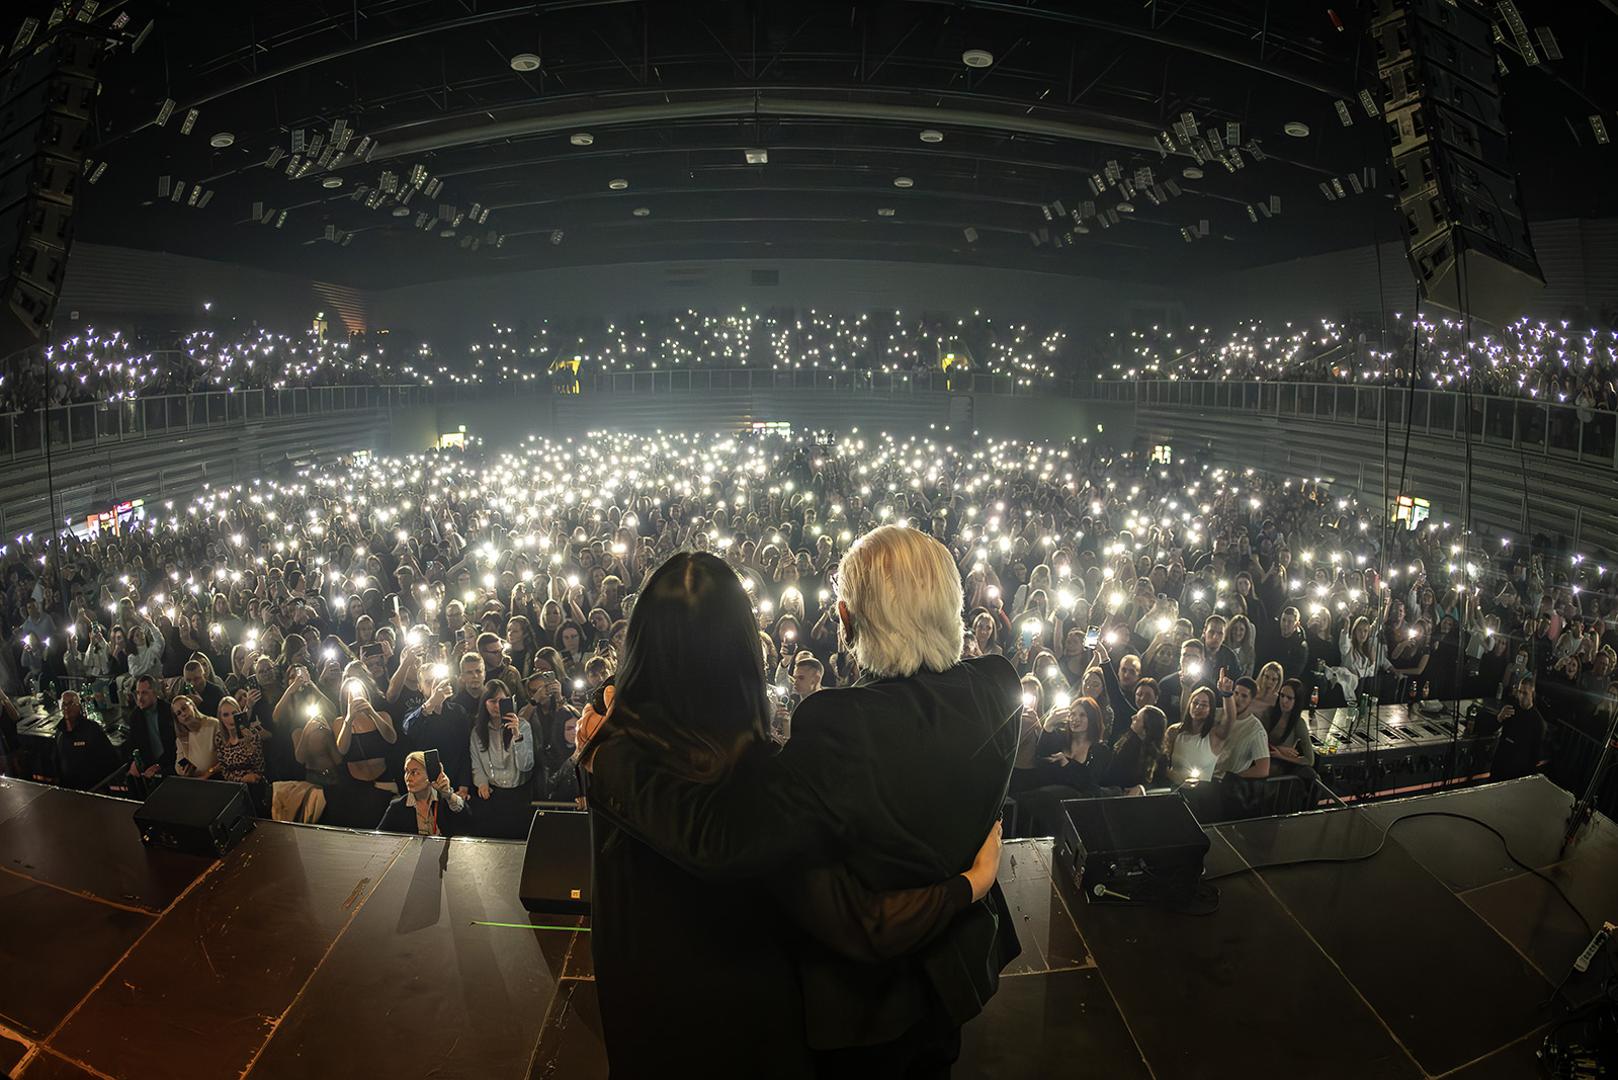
pixel 910 770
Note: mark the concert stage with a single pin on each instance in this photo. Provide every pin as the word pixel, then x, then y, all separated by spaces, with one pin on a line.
pixel 320 952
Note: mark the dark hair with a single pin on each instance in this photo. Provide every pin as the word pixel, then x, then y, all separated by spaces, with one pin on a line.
pixel 1096 726
pixel 1141 761
pixel 690 684
pixel 492 690
pixel 1150 684
pixel 567 625
pixel 1252 687
pixel 1286 719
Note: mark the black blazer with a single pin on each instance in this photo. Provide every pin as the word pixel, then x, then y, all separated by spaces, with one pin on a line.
pixel 899 779
pixel 400 817
pixel 140 738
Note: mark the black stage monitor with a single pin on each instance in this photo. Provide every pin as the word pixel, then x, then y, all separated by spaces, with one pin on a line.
pixel 556 866
pixel 1127 849
pixel 202 817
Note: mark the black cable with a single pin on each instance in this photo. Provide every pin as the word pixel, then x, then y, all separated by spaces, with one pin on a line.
pixel 1383 840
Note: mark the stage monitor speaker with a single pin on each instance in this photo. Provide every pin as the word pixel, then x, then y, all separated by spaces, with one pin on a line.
pixel 556 867
pixel 201 817
pixel 45 124
pixel 1131 850
pixel 1466 234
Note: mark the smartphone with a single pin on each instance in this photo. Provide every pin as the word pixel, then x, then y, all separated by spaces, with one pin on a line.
pixel 1091 636
pixel 434 768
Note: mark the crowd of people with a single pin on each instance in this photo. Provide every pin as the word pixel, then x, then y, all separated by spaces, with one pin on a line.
pixel 309 637
pixel 117 365
pixel 1531 359
pixel 1551 362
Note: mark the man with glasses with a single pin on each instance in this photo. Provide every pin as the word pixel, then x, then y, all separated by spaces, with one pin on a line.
pixel 496 666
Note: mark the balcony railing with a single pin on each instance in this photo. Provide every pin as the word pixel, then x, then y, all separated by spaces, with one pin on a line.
pixel 90 424
pixel 1551 429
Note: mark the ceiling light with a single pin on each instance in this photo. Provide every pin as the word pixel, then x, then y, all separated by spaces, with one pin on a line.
pixel 618 184
pixel 757 157
pixel 221 140
pixel 884 211
pixel 401 211
pixel 581 138
pixel 332 182
pixel 525 61
pixel 931 135
pixel 1296 128
pixel 903 182
pixel 1191 172
pixel 1126 208
pixel 977 58
pixel 642 211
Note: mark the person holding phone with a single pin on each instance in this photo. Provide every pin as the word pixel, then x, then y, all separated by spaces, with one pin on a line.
pixel 429 806
pixel 502 746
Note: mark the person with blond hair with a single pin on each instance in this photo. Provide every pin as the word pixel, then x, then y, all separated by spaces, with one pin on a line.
pixel 897 778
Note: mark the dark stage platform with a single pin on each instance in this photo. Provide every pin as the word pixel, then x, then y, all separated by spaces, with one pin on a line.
pixel 320 952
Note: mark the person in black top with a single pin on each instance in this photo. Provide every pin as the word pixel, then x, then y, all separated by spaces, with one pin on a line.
pixel 896 777
pixel 1138 759
pixel 696 977
pixel 84 754
pixel 1522 735
pixel 151 732
pixel 428 807
pixel 440 723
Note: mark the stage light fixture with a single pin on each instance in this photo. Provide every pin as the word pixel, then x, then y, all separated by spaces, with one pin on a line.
pixel 1236 161
pixel 1599 127
pixel 25 34
pixel 971 234
pixel 977 58
pixel 1173 188
pixel 1337 186
pixel 1056 205
pixel 422 219
pixel 1252 214
pixel 1368 103
pixel 280 219
pixel 884 211
pixel 446 232
pixel 639 211
pixel 267 217
pixel 556 236
pixel 1297 129
pixel 1354 182
pixel 525 62
pixel 313 149
pixel 1191 172
pixel 1045 208
pixel 1519 31
pixel 1547 41
pixel 276 154
pixel 1275 204
pixel 339 132
pixel 1342 113
pixel 401 211
pixel 164 185
pixel 581 138
pixel 300 139
pixel 1233 133
pixel 759 156
pixel 179 191
pixel 1256 150
pixel 1325 189
pixel 903 182
pixel 1264 210
pixel 931 135
pixel 363 147
pixel 101 168
pixel 1125 208
pixel 1082 229
pixel 190 121
pixel 332 183
pixel 165 111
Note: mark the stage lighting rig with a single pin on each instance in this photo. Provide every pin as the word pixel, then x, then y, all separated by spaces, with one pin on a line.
pixel 1599 127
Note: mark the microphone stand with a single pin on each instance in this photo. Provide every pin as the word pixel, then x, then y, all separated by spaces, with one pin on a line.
pixel 1584 809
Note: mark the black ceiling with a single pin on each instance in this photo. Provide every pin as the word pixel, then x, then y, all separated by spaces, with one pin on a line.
pixel 674 94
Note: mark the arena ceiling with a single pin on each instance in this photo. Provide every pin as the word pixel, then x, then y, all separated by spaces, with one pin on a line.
pixel 569 132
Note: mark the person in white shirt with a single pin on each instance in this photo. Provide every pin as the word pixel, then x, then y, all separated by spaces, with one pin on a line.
pixel 193 739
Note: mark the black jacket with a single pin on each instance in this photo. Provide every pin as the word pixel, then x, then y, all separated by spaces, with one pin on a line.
pixel 140 737
pixel 84 755
pixel 897 778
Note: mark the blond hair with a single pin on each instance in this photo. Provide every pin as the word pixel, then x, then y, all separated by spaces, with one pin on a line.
pixel 903 593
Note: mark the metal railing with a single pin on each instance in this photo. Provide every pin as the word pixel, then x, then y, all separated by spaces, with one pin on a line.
pixel 681 380
pixel 90 424
pixel 1551 429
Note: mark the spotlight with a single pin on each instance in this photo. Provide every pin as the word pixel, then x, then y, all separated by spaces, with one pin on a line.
pixel 977 58
pixel 1296 128
pixel 581 138
pixel 755 157
pixel 525 62
pixel 903 182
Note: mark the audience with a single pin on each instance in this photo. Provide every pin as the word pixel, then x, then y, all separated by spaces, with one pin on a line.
pixel 311 632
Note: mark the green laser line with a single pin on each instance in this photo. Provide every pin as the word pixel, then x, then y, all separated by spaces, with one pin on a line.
pixel 534 926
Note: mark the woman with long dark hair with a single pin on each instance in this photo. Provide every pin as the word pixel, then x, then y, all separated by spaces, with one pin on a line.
pixel 1291 750
pixel 694 976
pixel 1138 761
pixel 502 746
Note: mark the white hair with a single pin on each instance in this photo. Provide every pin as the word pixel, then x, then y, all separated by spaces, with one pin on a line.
pixel 903 593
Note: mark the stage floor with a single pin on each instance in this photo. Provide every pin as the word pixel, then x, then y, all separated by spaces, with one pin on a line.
pixel 317 952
